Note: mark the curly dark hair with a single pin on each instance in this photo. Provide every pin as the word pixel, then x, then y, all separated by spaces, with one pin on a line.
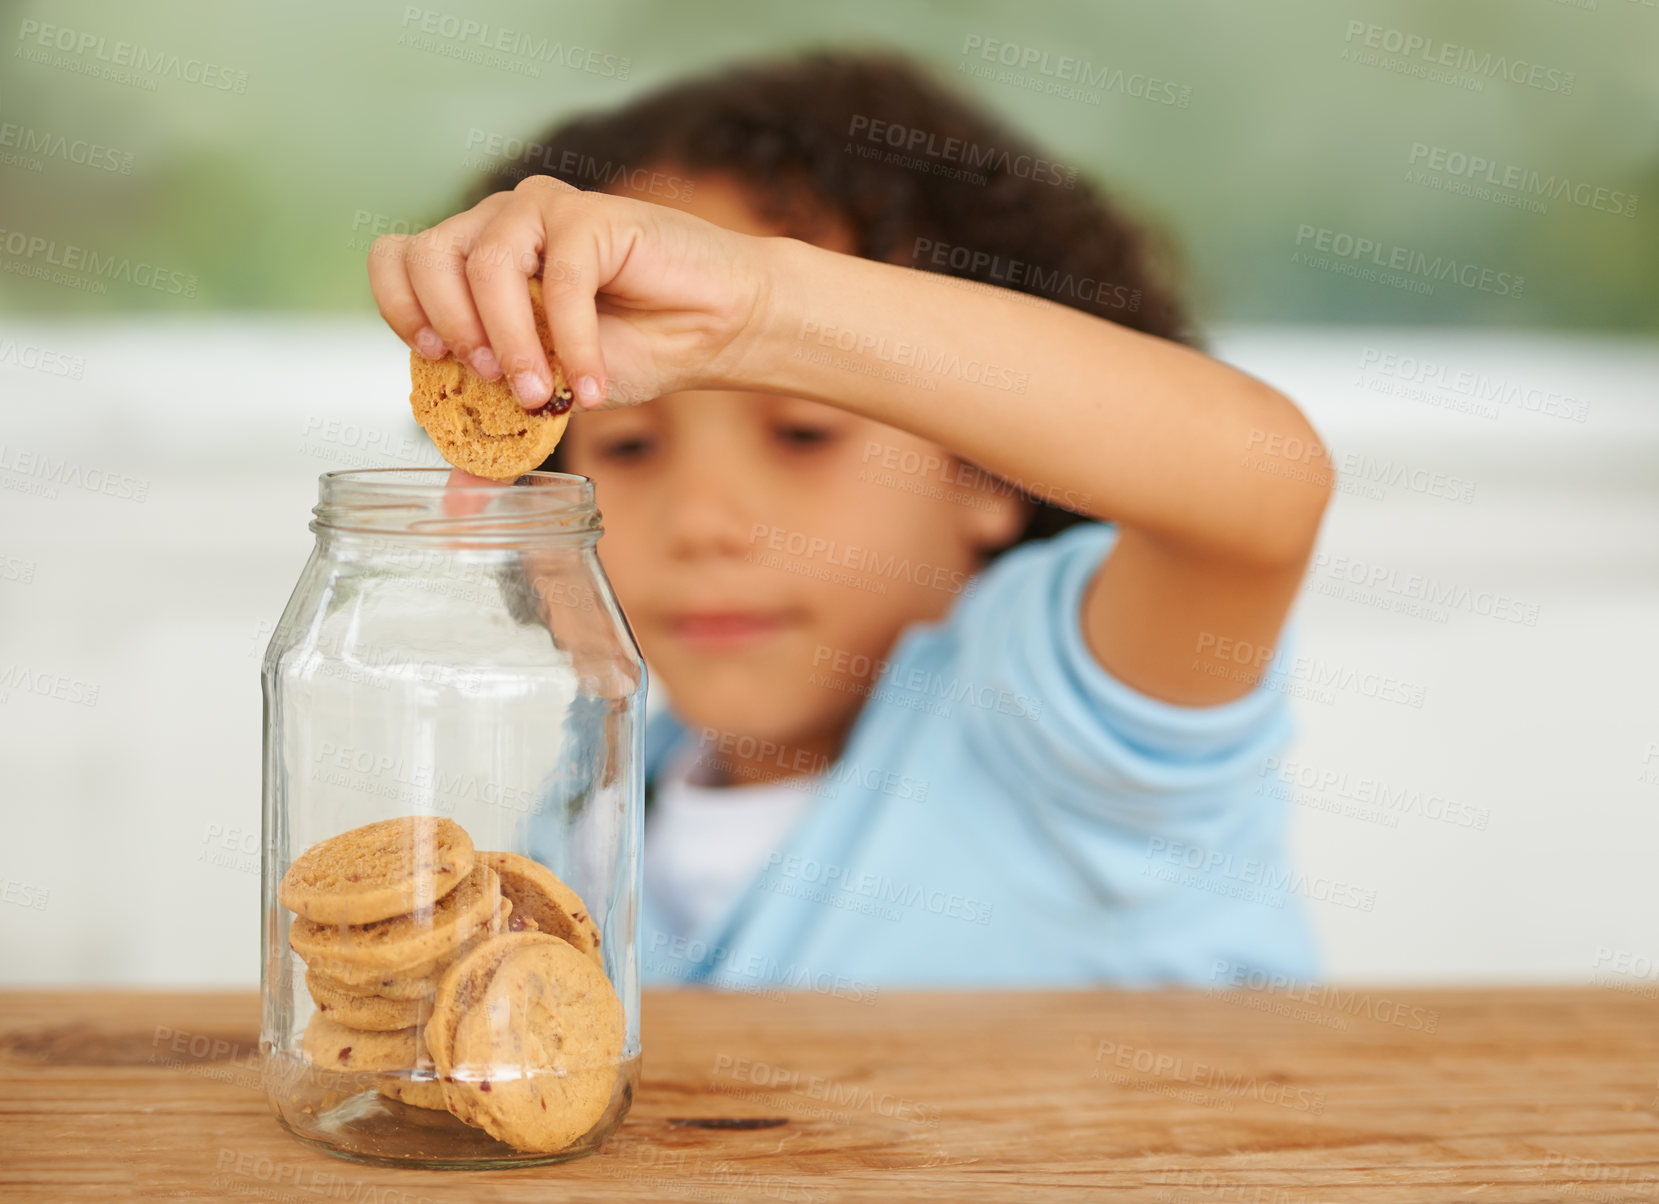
pixel 919 177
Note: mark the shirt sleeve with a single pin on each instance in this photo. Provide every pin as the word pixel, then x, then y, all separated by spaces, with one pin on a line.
pixel 1076 736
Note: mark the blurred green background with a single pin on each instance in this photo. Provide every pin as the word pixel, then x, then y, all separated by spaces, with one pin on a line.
pixel 258 190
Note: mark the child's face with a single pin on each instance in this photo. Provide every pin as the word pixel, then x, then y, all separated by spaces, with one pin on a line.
pixel 769 550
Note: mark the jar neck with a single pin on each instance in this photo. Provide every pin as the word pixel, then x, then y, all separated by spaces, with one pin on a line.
pixel 421 552
pixel 403 512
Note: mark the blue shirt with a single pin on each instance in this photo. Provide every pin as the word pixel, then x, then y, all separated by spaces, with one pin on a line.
pixel 1005 812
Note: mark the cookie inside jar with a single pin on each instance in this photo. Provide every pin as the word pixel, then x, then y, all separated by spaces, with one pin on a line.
pixel 477 1024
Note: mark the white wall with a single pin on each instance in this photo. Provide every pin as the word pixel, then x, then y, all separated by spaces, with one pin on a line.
pixel 114 866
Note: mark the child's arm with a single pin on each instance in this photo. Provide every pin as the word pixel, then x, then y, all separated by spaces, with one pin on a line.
pixel 1156 437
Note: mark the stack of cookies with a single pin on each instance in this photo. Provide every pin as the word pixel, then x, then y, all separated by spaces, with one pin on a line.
pixel 471 981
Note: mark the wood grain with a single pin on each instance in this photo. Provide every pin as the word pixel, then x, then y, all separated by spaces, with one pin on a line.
pixel 1488 1095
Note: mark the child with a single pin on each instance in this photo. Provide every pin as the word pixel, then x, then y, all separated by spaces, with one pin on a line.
pixel 929 724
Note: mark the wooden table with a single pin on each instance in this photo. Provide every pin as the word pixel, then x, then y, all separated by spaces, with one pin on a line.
pixel 1487 1095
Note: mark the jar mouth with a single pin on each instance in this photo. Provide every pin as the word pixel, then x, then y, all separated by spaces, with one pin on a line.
pixel 420 503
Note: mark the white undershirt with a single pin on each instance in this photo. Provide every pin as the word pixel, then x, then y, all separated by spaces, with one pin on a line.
pixel 703 844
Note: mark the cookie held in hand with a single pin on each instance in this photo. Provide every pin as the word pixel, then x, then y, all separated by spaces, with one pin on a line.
pixel 477 424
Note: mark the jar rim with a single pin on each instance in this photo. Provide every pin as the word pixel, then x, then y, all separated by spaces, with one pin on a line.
pixel 420 503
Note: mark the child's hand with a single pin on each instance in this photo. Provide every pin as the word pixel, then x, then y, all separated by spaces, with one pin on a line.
pixel 641 299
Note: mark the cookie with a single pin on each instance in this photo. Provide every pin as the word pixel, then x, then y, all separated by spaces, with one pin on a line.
pixel 463 984
pixel 384 984
pixel 478 424
pixel 416 1092
pixel 410 944
pixel 415 982
pixel 391 1054
pixel 527 1036
pixel 378 871
pixel 542 902
pixel 336 1047
pixel 377 1013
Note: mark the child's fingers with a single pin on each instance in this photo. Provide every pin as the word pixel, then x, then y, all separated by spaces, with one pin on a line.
pixel 543 214
pixel 437 262
pixel 394 296
pixel 568 225
pixel 462 498
pixel 568 286
pixel 499 270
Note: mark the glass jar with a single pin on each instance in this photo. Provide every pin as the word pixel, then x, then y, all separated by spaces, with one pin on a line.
pixel 453 795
